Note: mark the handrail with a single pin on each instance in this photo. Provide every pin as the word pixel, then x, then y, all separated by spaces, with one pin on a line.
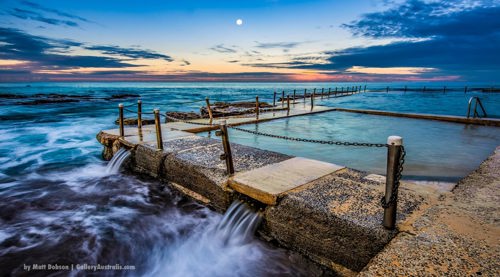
pixel 477 101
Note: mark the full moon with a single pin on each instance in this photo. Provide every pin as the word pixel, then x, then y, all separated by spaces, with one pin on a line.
pixel 239 22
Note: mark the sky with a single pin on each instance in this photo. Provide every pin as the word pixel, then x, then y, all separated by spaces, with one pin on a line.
pixel 276 40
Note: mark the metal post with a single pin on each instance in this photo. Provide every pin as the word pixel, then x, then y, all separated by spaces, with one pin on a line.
pixel 391 190
pixel 209 109
pixel 322 91
pixel 312 98
pixel 257 107
pixel 274 99
pixel 120 120
pixel 139 114
pixel 159 139
pixel 294 97
pixel 288 102
pixel 283 99
pixel 329 92
pixel 227 147
pixel 335 91
pixel 305 96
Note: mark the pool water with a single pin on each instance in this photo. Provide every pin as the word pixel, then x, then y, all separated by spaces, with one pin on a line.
pixel 451 103
pixel 435 150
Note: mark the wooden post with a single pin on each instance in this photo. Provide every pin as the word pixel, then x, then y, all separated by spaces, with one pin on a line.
pixel 159 139
pixel 322 91
pixel 139 114
pixel 393 153
pixel 283 99
pixel 305 96
pixel 294 97
pixel 274 99
pixel 288 105
pixel 227 156
pixel 257 107
pixel 335 91
pixel 120 120
pixel 329 92
pixel 209 109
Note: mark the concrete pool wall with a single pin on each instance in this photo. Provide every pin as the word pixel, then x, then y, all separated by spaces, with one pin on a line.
pixel 334 216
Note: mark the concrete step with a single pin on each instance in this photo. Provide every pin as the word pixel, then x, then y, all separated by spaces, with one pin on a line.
pixel 268 183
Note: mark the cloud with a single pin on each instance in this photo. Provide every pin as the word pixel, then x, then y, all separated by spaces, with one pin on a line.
pixel 54 11
pixel 185 63
pixel 284 45
pixel 233 61
pixel 223 49
pixel 45 52
pixel 419 19
pixel 25 14
pixel 133 53
pixel 454 38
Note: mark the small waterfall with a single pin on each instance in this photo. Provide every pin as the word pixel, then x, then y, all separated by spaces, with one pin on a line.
pixel 116 162
pixel 238 224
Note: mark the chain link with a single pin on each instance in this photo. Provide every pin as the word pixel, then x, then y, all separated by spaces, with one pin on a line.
pixel 399 174
pixel 331 142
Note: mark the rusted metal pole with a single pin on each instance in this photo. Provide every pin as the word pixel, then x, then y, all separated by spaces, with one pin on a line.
pixel 159 139
pixel 227 156
pixel 257 107
pixel 139 114
pixel 120 120
pixel 274 99
pixel 391 193
pixel 209 109
pixel 283 99
pixel 288 102
pixel 294 97
pixel 305 95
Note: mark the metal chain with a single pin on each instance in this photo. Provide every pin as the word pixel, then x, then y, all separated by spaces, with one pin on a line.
pixel 394 194
pixel 187 121
pixel 331 142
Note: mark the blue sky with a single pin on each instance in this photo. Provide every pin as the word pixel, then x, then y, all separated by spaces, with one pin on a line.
pixel 364 40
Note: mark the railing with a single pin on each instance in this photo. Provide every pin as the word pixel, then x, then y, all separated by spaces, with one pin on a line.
pixel 395 160
pixel 476 101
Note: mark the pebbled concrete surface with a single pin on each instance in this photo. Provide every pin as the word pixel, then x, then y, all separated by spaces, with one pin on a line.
pixel 336 218
pixel 459 236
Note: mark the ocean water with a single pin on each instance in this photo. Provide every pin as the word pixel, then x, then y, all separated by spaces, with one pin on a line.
pixel 59 204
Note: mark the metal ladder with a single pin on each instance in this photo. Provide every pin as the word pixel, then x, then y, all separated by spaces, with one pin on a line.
pixel 476 101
